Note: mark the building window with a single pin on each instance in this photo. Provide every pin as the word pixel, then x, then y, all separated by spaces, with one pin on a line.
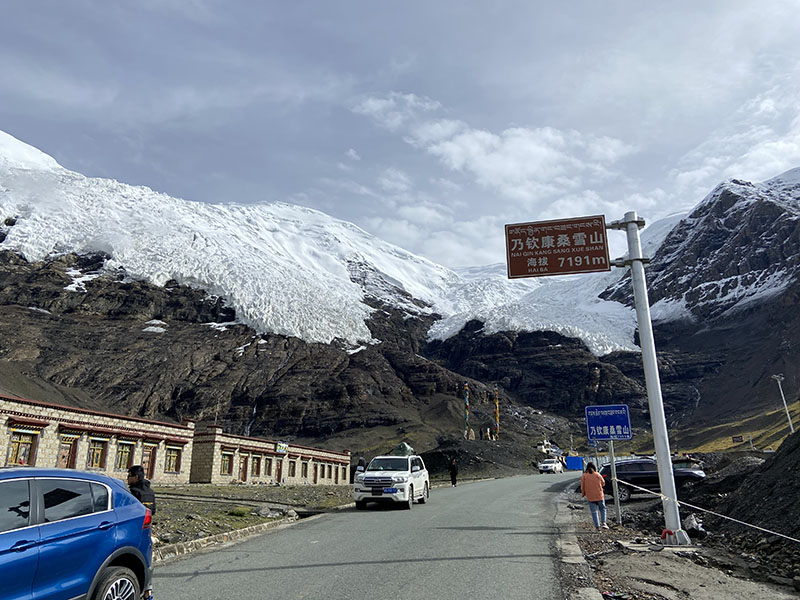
pixel 97 453
pixel 67 450
pixel 256 468
pixel 344 473
pixel 292 468
pixel 23 449
pixel 172 460
pixel 304 470
pixel 267 467
pixel 227 464
pixel 330 471
pixel 124 458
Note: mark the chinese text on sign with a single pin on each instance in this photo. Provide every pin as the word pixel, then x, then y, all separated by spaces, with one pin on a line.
pixel 611 422
pixel 557 247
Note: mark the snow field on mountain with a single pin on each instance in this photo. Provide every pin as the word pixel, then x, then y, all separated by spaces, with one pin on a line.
pixel 285 269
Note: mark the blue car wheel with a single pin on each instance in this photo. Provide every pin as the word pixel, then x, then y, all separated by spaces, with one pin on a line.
pixel 118 583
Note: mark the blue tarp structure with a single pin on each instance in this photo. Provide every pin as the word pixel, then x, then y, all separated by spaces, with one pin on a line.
pixel 574 463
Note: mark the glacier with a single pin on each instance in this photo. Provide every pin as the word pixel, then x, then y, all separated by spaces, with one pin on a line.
pixel 288 269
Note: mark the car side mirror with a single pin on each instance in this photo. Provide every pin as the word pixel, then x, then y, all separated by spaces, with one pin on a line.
pixel 414 469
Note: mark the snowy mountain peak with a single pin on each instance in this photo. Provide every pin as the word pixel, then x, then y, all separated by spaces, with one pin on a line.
pixel 785 181
pixel 285 269
pixel 295 271
pixel 15 154
pixel 737 247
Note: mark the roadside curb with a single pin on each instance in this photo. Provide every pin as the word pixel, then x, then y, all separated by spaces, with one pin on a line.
pixel 573 563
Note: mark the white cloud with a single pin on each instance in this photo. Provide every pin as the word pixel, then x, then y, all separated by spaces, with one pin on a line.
pixel 350 186
pixel 447 185
pixel 574 108
pixel 770 156
pixel 760 140
pixel 530 165
pixel 431 132
pixel 394 110
pixel 396 231
pixel 38 83
pixel 423 214
pixel 606 150
pixel 523 164
pixel 453 243
pixel 394 181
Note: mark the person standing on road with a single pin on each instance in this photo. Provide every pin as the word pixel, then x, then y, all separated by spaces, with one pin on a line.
pixel 453 468
pixel 140 488
pixel 360 467
pixel 592 489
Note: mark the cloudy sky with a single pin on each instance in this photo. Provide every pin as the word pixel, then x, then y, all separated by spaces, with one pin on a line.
pixel 429 124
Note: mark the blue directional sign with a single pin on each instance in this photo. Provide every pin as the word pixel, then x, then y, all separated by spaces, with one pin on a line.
pixel 611 422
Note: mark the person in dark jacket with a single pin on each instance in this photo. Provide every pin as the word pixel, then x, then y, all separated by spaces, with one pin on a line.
pixel 140 488
pixel 360 467
pixel 453 468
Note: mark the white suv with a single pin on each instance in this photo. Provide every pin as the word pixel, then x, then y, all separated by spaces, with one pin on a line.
pixel 392 479
pixel 550 465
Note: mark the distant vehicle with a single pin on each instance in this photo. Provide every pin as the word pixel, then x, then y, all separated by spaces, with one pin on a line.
pixel 686 462
pixel 549 448
pixel 550 465
pixel 643 472
pixel 401 479
pixel 70 534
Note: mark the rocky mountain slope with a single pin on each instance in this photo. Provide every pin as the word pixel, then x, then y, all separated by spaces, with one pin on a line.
pixel 724 287
pixel 118 298
pixel 136 348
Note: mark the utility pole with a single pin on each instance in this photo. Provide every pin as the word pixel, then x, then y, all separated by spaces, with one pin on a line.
pixel 778 378
pixel 631 224
pixel 466 410
pixel 496 412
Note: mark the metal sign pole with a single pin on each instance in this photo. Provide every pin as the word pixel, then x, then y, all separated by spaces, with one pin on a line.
pixel 614 482
pixel 631 224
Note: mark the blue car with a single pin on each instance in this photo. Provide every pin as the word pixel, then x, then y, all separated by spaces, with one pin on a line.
pixel 71 535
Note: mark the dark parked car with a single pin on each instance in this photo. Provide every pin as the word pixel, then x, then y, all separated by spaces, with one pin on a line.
pixel 68 534
pixel 644 473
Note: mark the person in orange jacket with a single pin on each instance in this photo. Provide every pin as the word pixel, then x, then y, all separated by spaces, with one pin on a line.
pixel 592 489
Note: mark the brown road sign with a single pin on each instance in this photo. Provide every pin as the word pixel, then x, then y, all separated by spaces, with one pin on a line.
pixel 560 247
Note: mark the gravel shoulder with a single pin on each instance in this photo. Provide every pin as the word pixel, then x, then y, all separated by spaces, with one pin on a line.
pixel 628 562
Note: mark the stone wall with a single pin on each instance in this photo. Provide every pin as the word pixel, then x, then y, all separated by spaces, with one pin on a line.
pixel 60 436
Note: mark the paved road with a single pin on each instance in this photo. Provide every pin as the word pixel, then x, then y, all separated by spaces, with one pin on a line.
pixel 491 539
